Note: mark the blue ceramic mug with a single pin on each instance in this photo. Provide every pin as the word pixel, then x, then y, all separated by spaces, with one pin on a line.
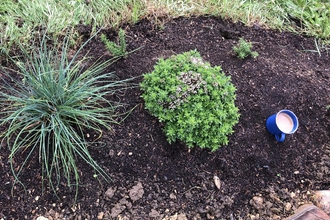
pixel 282 123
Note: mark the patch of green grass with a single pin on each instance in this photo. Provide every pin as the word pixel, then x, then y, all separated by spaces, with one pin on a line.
pixel 49 111
pixel 310 17
pixel 21 21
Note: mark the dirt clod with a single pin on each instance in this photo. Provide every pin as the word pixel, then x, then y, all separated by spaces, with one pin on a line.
pixel 257 202
pixel 136 192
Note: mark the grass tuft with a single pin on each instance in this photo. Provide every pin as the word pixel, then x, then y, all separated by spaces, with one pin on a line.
pixel 50 109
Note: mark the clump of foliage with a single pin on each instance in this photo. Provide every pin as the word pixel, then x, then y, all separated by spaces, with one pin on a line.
pixel 117 50
pixel 194 100
pixel 49 111
pixel 243 49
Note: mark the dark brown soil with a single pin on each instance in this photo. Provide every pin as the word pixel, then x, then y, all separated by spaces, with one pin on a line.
pixel 259 177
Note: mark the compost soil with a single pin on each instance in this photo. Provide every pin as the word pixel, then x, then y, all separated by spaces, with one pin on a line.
pixel 259 178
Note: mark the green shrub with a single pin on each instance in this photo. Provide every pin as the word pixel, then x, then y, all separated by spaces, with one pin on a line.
pixel 194 100
pixel 49 111
pixel 117 50
pixel 243 49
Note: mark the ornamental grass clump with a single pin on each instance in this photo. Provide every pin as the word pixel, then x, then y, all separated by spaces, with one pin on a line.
pixel 48 112
pixel 194 100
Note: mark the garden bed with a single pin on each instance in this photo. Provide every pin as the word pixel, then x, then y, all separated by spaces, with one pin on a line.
pixel 153 179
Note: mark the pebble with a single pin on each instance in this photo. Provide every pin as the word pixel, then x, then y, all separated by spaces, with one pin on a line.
pixel 176 216
pixel 188 195
pixel 217 182
pixel 154 214
pixel 100 215
pixel 202 210
pixel 275 210
pixel 276 217
pixel 42 218
pixel 257 202
pixel 136 192
pixel 254 217
pixel 322 199
pixel 109 193
pixel 182 217
pixel 288 206
pixel 269 204
pixel 172 196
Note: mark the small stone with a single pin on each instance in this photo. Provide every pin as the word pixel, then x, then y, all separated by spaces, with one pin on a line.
pixel 276 217
pixel 217 181
pixel 100 215
pixel 209 216
pixel 172 196
pixel 42 218
pixel 188 195
pixel 254 217
pixel 117 209
pixel 269 204
pixel 322 199
pixel 202 210
pixel 288 206
pixel 173 217
pixel 109 193
pixel 154 214
pixel 257 202
pixel 123 217
pixel 275 210
pixel 136 192
pixel 182 217
pixel 296 172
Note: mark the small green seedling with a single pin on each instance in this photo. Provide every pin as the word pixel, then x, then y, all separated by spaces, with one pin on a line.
pixel 243 49
pixel 117 50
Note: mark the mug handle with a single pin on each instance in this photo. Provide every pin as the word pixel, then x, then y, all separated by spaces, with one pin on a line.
pixel 280 138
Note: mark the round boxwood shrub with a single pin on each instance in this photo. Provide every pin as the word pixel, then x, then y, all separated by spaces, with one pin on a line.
pixel 194 100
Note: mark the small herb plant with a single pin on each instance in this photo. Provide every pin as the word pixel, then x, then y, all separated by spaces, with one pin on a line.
pixel 49 111
pixel 117 50
pixel 243 49
pixel 194 100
